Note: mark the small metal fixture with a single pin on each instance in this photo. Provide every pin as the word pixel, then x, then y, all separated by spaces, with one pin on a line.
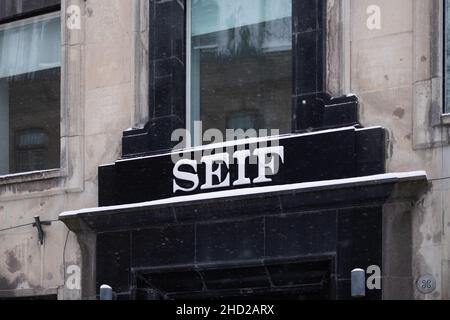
pixel 426 284
pixel 106 292
pixel 358 283
pixel 38 224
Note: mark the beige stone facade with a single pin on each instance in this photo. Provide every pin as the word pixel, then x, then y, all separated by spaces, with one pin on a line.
pixel 396 71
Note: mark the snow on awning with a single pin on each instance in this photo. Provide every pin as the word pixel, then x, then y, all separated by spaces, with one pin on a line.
pixel 314 195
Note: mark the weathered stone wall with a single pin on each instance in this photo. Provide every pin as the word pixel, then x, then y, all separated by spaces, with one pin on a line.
pixel 97 106
pixel 396 71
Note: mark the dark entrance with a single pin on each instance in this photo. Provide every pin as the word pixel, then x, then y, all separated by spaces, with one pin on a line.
pixel 291 279
pixel 298 236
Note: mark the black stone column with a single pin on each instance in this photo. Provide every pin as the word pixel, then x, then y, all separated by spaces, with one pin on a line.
pixel 313 108
pixel 167 80
pixel 308 45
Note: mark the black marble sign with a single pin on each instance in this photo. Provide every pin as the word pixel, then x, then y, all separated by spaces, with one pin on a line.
pixel 327 155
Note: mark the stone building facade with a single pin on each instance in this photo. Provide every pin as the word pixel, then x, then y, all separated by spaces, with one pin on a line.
pixel 371 81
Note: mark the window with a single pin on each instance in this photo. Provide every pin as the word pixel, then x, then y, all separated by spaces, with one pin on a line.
pixel 30 72
pixel 239 65
pixel 233 63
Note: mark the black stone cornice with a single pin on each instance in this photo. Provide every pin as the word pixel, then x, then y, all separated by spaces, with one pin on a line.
pixel 312 112
pixel 320 111
pixel 251 203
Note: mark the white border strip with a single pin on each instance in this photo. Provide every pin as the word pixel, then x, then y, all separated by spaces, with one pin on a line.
pixel 376 179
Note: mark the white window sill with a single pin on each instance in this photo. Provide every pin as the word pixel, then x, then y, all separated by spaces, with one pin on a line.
pixel 445 119
pixel 30 177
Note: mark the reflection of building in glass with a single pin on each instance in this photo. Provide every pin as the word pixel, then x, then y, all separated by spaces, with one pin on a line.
pixel 241 62
pixel 30 93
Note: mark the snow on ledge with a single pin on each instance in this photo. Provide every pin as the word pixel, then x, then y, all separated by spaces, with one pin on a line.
pixel 376 179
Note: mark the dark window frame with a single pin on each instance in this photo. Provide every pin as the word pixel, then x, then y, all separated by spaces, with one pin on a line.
pixel 167 77
pixel 27 15
pixel 29 12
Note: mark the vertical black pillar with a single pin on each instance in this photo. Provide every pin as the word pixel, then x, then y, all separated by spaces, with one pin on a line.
pixel 167 80
pixel 308 38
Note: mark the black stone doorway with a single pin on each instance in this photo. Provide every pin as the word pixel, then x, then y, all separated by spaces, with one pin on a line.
pixel 293 279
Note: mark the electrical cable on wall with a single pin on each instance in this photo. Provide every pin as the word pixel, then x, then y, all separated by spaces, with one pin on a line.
pixel 25 225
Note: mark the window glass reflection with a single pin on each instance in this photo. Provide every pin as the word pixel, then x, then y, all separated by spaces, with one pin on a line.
pixel 241 64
